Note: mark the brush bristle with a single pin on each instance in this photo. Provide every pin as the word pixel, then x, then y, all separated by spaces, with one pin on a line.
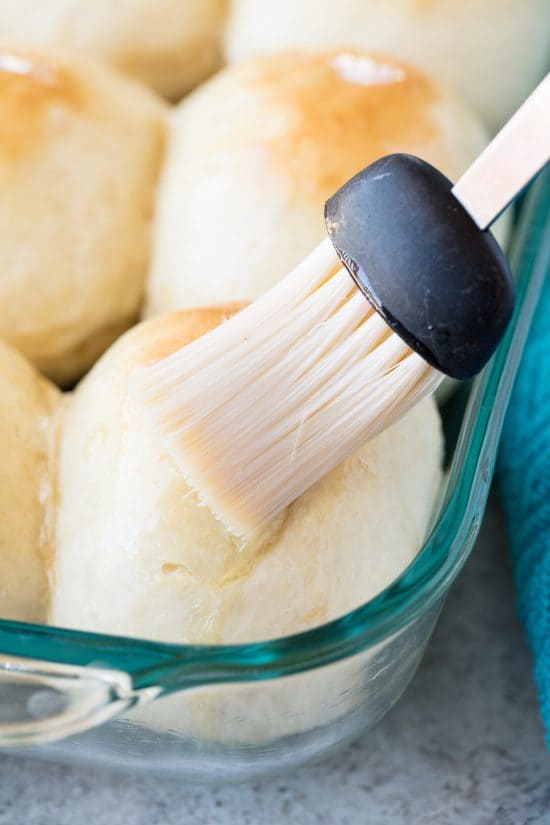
pixel 260 408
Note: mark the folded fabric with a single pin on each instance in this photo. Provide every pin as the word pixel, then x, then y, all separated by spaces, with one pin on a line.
pixel 523 472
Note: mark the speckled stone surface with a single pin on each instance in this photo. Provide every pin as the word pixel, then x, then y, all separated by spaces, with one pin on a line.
pixel 465 744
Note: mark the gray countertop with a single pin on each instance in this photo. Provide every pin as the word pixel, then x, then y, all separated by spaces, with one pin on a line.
pixel 464 745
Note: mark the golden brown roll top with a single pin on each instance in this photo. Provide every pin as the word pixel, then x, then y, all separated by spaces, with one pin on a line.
pixel 31 86
pixel 80 150
pixel 256 151
pixel 320 116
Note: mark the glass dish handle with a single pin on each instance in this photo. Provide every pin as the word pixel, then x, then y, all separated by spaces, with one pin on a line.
pixel 44 701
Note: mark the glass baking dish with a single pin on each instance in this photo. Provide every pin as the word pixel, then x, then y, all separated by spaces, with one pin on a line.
pixel 212 712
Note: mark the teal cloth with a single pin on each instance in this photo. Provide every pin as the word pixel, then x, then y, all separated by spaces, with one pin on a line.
pixel 523 473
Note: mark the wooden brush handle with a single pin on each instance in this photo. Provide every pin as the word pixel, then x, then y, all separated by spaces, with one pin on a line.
pixel 510 161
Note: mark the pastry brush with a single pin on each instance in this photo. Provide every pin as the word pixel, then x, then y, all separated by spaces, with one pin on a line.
pixel 408 287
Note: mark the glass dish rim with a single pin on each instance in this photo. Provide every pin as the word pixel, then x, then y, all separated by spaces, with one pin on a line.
pixel 172 666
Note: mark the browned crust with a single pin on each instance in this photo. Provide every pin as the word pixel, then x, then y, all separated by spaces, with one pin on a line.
pixel 32 87
pixel 319 124
pixel 160 337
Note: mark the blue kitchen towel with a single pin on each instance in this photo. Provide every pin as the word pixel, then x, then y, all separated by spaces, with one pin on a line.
pixel 524 478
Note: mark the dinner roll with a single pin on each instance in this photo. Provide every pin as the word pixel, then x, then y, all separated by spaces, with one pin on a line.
pixel 80 149
pixel 170 45
pixel 491 51
pixel 137 554
pixel 28 408
pixel 255 152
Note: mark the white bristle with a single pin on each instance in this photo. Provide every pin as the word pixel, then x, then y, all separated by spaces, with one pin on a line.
pixel 263 406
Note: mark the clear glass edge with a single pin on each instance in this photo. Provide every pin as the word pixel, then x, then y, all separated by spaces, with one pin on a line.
pixel 90 697
pixel 175 667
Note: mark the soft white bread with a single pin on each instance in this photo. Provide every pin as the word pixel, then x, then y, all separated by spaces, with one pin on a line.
pixel 170 45
pixel 491 51
pixel 137 554
pixel 254 153
pixel 28 409
pixel 80 150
